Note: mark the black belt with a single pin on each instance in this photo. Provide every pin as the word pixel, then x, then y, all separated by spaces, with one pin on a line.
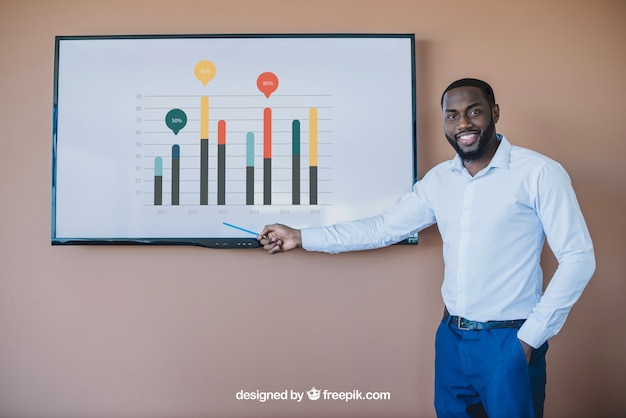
pixel 466 324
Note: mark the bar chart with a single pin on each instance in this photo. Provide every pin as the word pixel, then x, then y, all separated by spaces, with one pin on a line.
pixel 249 154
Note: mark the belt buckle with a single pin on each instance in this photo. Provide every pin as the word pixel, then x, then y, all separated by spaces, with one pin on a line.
pixel 459 321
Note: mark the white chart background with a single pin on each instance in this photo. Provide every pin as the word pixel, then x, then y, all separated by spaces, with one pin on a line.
pixel 113 95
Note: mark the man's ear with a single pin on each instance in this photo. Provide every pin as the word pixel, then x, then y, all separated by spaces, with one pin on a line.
pixel 495 113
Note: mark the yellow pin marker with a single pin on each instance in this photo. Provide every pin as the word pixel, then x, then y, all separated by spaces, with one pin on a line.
pixel 204 71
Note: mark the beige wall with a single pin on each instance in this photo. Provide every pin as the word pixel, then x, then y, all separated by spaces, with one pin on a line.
pixel 176 332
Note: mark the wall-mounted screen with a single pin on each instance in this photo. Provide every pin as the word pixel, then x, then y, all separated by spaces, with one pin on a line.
pixel 204 139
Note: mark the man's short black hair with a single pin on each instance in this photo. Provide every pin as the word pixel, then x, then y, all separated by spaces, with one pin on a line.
pixel 473 82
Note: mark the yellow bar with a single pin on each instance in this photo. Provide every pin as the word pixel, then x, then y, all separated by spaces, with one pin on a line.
pixel 204 117
pixel 313 137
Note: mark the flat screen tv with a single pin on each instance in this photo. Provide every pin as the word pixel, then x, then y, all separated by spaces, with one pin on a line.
pixel 204 139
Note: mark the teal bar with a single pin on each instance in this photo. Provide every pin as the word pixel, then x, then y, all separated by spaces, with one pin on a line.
pixel 250 149
pixel 295 137
pixel 158 166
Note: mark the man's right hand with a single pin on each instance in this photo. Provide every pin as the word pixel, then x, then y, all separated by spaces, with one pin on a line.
pixel 279 238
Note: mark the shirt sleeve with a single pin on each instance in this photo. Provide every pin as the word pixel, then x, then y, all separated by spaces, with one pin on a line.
pixel 568 237
pixel 409 215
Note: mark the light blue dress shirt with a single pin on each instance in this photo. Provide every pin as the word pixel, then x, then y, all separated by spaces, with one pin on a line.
pixel 493 227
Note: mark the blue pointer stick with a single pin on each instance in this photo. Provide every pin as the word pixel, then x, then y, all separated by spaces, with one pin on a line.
pixel 241 229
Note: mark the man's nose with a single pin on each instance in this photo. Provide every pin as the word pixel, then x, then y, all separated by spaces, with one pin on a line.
pixel 464 122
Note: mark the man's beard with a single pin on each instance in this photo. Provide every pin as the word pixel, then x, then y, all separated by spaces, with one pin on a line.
pixel 483 143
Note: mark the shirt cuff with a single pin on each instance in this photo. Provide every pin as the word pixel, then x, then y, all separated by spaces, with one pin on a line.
pixel 532 333
pixel 312 238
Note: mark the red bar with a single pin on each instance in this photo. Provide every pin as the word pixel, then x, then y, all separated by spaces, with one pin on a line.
pixel 267 133
pixel 221 132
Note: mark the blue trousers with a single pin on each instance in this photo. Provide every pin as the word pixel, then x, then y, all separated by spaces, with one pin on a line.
pixel 485 374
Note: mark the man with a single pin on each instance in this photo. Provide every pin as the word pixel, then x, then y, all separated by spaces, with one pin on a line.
pixel 494 205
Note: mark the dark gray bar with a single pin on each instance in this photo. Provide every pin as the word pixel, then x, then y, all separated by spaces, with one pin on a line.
pixel 221 174
pixel 267 181
pixel 158 190
pixel 295 180
pixel 204 171
pixel 249 185
pixel 313 185
pixel 175 181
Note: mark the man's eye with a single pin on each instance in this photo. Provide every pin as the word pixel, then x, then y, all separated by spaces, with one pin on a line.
pixel 474 112
pixel 450 116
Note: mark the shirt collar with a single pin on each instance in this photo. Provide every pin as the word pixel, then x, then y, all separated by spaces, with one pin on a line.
pixel 500 159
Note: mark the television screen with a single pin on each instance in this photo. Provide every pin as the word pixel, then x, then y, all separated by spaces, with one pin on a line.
pixel 204 139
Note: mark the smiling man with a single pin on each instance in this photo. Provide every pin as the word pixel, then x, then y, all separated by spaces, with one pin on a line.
pixel 495 205
pixel 470 116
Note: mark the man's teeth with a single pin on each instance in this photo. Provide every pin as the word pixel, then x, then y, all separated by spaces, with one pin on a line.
pixel 467 139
